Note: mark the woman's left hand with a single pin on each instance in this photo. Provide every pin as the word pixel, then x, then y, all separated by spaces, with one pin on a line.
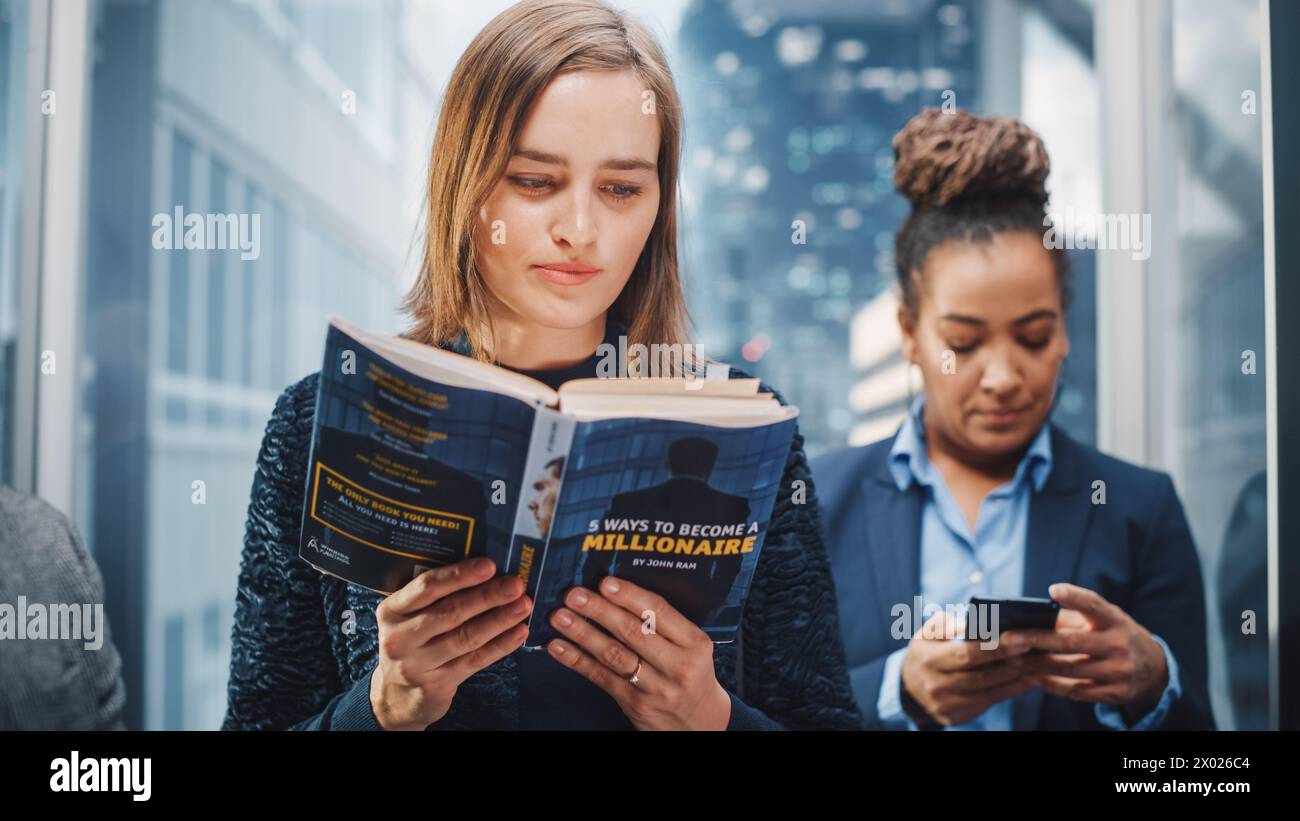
pixel 1097 653
pixel 672 659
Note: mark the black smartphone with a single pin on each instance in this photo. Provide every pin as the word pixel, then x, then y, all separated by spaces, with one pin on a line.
pixel 1018 613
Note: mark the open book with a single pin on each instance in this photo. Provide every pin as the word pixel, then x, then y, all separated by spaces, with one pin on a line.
pixel 422 457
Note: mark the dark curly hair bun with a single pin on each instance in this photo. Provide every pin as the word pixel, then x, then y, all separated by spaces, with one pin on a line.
pixel 945 157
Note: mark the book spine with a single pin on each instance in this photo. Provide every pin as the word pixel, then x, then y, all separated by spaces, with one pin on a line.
pixel 548 455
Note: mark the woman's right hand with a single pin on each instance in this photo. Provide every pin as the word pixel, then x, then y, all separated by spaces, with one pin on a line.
pixel 954 681
pixel 438 630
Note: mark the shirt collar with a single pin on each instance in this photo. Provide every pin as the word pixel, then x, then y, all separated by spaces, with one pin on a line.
pixel 909 462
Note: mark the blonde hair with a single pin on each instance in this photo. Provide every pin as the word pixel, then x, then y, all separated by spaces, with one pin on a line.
pixel 495 82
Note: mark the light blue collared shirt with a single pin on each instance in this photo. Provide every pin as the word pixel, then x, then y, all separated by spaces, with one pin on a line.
pixel 957 563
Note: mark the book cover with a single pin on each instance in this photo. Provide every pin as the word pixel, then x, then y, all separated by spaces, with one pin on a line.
pixel 409 472
pixel 405 474
pixel 678 508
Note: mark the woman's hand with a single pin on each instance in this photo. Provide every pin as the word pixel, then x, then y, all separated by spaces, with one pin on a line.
pixel 672 659
pixel 438 630
pixel 1097 653
pixel 955 681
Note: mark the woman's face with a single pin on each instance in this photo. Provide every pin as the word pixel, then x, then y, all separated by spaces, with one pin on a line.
pixel 989 337
pixel 564 227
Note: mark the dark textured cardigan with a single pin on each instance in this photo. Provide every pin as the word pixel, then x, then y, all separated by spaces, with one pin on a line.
pixel 300 661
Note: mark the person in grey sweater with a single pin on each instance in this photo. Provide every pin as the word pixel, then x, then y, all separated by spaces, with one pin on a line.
pixel 59 669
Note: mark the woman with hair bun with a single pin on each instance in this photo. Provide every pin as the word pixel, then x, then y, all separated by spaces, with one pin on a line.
pixel 978 494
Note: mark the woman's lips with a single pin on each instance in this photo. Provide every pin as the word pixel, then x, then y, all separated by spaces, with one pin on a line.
pixel 1003 418
pixel 566 273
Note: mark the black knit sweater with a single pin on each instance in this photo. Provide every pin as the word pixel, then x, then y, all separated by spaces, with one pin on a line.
pixel 304 643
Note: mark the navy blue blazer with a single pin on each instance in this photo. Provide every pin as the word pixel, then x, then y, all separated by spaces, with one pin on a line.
pixel 1135 550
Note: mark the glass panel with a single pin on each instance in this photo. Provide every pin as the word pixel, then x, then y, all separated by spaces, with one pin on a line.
pixel 1213 326
pixel 184 120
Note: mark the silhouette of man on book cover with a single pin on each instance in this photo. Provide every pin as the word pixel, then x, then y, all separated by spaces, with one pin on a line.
pixel 685 499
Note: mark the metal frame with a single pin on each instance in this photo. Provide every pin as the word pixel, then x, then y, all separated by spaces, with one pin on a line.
pixel 1134 68
pixel 52 251
pixel 1134 65
pixel 1281 298
pixel 1270 357
pixel 29 263
pixel 62 243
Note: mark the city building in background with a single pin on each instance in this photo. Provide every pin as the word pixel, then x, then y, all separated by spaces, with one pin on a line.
pixel 290 116
pixel 789 176
pixel 790 196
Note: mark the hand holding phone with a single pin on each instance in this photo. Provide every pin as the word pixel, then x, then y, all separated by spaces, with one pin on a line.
pixel 1014 613
pixel 947 681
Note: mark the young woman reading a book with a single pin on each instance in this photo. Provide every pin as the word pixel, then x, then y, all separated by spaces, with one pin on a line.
pixel 978 494
pixel 551 228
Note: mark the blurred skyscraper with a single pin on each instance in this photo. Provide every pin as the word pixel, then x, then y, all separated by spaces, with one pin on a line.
pixel 791 211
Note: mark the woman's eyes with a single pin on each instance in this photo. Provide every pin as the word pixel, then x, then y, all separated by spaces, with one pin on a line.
pixel 624 192
pixel 534 186
pixel 1031 344
pixel 530 183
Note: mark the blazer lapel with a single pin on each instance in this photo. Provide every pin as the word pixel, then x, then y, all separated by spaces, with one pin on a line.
pixel 891 527
pixel 1059 516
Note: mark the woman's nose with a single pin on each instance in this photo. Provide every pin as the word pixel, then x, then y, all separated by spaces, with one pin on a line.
pixel 576 224
pixel 1000 374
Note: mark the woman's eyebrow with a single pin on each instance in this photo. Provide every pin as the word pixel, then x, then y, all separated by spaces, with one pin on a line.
pixel 1041 313
pixel 616 164
pixel 965 320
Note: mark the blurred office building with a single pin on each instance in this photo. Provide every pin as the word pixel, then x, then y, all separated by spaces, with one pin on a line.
pixel 291 115
pixel 789 175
